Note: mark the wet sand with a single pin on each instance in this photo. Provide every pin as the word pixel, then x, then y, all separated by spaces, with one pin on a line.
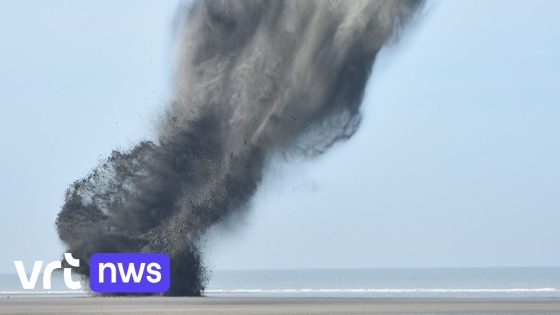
pixel 254 305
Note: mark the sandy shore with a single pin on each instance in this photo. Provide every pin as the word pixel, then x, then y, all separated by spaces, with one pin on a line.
pixel 250 305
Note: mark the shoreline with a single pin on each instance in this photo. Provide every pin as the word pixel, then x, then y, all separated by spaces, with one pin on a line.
pixel 274 305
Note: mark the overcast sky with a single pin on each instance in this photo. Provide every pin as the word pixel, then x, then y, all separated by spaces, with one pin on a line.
pixel 456 163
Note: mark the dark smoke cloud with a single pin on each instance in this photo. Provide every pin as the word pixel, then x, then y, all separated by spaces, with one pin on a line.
pixel 254 78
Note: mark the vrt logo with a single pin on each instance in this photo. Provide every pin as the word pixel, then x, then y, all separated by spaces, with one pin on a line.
pixel 108 272
pixel 29 283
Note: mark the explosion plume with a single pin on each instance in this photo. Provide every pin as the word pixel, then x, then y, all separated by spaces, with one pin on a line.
pixel 254 78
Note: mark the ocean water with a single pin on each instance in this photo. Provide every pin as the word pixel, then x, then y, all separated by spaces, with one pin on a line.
pixel 441 282
pixel 436 283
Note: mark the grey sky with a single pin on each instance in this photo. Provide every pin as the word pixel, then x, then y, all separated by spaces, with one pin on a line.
pixel 456 163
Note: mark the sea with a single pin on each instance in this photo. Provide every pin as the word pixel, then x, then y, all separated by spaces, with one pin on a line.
pixel 542 283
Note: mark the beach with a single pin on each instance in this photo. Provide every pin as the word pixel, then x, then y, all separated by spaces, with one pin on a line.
pixel 275 305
